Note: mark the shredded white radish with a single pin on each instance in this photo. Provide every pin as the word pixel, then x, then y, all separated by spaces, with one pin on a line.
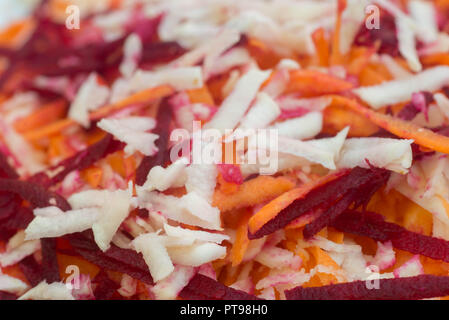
pixel 133 132
pixel 425 15
pixel 178 78
pixel 47 224
pixel 303 127
pixel 161 179
pixel 396 70
pixel 407 44
pixel 132 51
pixel 443 103
pixel 395 91
pixel 274 257
pixel 411 268
pixel 128 286
pixel 292 277
pixel 195 234
pixel 169 288
pixel 190 209
pixel 90 97
pixel 201 179
pixel 385 256
pixel 45 291
pixel 155 255
pixel 237 103
pixel 20 252
pixel 197 254
pixel 12 285
pixel 113 206
pixel 392 154
pixel 264 111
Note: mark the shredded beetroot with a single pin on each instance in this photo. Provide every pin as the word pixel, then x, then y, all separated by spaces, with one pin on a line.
pixel 230 173
pixel 410 288
pixel 6 171
pixel 32 270
pixel 205 288
pixel 105 288
pixel 115 259
pixel 164 117
pixel 7 296
pixel 37 195
pixel 385 36
pixel 50 267
pixel 357 181
pixel 372 225
pixel 79 161
pixel 160 52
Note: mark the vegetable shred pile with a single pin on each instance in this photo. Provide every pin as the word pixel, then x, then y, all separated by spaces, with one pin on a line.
pixel 224 149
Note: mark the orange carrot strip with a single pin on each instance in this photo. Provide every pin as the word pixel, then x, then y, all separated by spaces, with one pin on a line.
pixel 312 82
pixel 336 58
pixel 137 98
pixel 201 95
pixel 93 176
pixel 321 46
pixel 252 192
pixel 271 209
pixel 436 59
pixel 322 258
pixel 48 113
pixel 407 130
pixel 241 240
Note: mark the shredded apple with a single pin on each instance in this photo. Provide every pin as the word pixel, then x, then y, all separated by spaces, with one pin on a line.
pixel 224 150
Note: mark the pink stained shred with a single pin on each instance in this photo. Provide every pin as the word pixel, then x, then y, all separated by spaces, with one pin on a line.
pixel 230 173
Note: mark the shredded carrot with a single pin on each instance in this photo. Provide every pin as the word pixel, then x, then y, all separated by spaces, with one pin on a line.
pixel 84 266
pixel 319 257
pixel 201 95
pixel 436 59
pixel 12 35
pixel 93 176
pixel 406 130
pixel 252 192
pixel 321 46
pixel 312 83
pixel 42 116
pixel 336 57
pixel 374 74
pixel 141 97
pixel 241 239
pixel 265 57
pixel 271 209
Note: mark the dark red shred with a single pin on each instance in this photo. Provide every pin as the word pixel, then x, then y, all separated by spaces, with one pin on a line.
pixel 357 179
pixel 37 195
pixel 374 226
pixel 106 287
pixel 202 287
pixel 410 288
pixel 6 171
pixel 50 267
pixel 160 52
pixel 114 259
pixel 164 117
pixel 32 270
pixel 7 296
pixel 79 161
pixel 385 35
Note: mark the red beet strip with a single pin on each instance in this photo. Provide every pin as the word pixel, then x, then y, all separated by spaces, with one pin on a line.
pixel 6 170
pixel 79 161
pixel 372 225
pixel 32 270
pixel 105 288
pixel 50 267
pixel 37 195
pixel 7 296
pixel 114 259
pixel 410 288
pixel 323 195
pixel 164 117
pixel 205 288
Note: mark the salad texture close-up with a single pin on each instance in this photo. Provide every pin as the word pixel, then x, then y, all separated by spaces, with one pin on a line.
pixel 224 150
